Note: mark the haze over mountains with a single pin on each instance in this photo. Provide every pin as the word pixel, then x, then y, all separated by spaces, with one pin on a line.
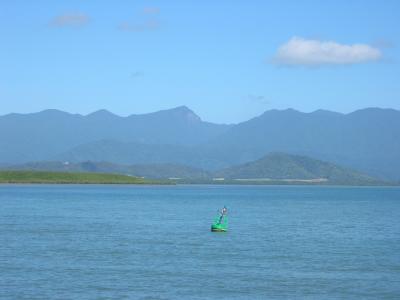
pixel 275 168
pixel 367 140
pixel 38 136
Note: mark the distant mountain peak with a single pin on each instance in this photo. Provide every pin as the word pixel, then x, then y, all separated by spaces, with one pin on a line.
pixel 182 112
pixel 182 108
pixel 324 112
pixel 281 111
pixel 49 114
pixel 101 113
pixel 188 114
pixel 53 111
pixel 374 110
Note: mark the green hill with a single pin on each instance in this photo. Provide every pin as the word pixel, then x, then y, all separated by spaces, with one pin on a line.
pixel 294 168
pixel 66 177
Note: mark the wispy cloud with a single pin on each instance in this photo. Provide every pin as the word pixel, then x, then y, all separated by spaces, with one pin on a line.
pixel 137 74
pixel 151 10
pixel 70 20
pixel 259 99
pixel 307 52
pixel 148 21
pixel 148 25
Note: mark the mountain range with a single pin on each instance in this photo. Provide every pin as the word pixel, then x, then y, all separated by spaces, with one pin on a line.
pixel 366 140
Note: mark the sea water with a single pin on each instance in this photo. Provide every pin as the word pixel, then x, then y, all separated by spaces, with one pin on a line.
pixel 154 242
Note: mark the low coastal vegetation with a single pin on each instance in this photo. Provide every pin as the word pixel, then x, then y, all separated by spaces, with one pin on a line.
pixel 73 178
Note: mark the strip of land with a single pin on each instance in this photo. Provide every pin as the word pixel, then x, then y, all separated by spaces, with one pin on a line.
pixel 73 178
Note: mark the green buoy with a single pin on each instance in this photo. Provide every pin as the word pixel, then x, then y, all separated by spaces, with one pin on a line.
pixel 221 222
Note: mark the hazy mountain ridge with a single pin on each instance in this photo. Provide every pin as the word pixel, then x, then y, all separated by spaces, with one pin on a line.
pixel 138 153
pixel 40 136
pixel 366 140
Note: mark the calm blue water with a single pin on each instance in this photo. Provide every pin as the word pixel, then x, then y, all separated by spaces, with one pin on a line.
pixel 129 242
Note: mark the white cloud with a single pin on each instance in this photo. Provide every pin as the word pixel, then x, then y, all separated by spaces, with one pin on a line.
pixel 148 25
pixel 150 21
pixel 70 20
pixel 151 10
pixel 260 99
pixel 299 51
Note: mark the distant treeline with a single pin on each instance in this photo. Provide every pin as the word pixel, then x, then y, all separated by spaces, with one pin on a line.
pixel 72 178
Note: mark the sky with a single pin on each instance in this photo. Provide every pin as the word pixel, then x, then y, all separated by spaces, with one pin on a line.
pixel 228 61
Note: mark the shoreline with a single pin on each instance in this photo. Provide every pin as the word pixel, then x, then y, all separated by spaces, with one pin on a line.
pixel 87 178
pixel 195 184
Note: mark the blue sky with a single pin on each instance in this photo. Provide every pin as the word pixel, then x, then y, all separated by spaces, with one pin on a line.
pixel 227 60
